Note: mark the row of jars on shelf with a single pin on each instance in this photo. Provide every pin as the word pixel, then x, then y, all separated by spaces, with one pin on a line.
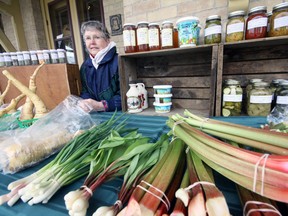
pixel 258 98
pixel 52 56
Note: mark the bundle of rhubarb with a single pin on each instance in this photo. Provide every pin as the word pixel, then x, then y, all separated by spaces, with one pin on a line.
pixel 262 169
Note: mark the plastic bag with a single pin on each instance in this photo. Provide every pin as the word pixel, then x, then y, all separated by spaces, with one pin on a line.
pixel 9 121
pixel 45 137
pixel 278 118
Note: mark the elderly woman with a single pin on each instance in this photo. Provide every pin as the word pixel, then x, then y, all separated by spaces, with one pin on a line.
pixel 99 73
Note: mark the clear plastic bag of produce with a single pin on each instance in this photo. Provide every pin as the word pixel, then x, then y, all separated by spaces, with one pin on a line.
pixel 278 118
pixel 45 137
pixel 8 121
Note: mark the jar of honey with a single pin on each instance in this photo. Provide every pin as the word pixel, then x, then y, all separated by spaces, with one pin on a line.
pixel 167 35
pixel 129 38
pixel 142 36
pixel 154 36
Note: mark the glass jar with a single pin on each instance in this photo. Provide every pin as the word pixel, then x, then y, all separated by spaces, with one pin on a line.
pixel 232 98
pixel 154 36
pixel 269 14
pixel 54 56
pixel 7 59
pixel 34 59
pixel 129 38
pixel 46 56
pixel 279 20
pixel 26 57
pixel 40 56
pixel 235 27
pixel 2 62
pixel 282 94
pixel 256 23
pixel 14 58
pixel 248 89
pixel 142 36
pixel 167 35
pixel 62 56
pixel 175 38
pixel 20 58
pixel 213 30
pixel 260 98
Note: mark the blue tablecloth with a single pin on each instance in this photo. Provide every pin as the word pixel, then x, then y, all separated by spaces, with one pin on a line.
pixel 151 126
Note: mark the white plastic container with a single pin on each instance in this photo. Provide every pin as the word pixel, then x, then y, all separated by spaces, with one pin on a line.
pixel 162 89
pixel 163 98
pixel 133 99
pixel 162 108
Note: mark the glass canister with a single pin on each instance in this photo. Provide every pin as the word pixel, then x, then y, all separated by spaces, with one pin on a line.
pixel 282 94
pixel 14 58
pixel 62 55
pixel 232 98
pixel 34 59
pixel 269 14
pixel 142 36
pixel 274 86
pixel 46 56
pixel 154 36
pixel 235 27
pixel 213 30
pixel 279 20
pixel 248 89
pixel 260 98
pixel 7 59
pixel 20 58
pixel 2 62
pixel 40 56
pixel 256 23
pixel 129 38
pixel 26 58
pixel 54 56
pixel 167 34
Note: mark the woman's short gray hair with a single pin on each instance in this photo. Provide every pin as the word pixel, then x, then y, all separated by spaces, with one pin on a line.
pixel 95 25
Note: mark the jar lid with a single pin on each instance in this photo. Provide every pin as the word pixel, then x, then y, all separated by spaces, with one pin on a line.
pixel 261 84
pixel 53 50
pixel 25 52
pixel 281 5
pixel 153 24
pixel 167 22
pixel 276 81
pixel 232 82
pixel 258 8
pixel 255 80
pixel 213 17
pixel 129 24
pixel 283 83
pixel 143 22
pixel 19 53
pixel 236 13
pixel 32 51
pixel 61 50
pixel 46 51
pixel 269 13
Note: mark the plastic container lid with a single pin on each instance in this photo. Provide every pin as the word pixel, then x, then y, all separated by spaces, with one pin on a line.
pixel 187 19
pixel 162 86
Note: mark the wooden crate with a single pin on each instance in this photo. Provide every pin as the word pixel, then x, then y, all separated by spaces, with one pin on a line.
pixel 265 58
pixel 190 71
pixel 54 82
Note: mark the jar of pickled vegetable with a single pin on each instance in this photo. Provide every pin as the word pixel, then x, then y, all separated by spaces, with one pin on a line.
pixel 14 58
pixel 129 38
pixel 20 58
pixel 248 89
pixel 54 56
pixel 142 36
pixel 154 36
pixel 46 56
pixel 34 59
pixel 260 99
pixel 213 30
pixel 279 20
pixel 269 14
pixel 256 23
pixel 282 94
pixel 7 60
pixel 62 55
pixel 167 35
pixel 26 57
pixel 235 27
pixel 232 98
pixel 274 86
pixel 2 62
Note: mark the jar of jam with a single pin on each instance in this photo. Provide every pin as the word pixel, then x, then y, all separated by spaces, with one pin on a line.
pixel 154 36
pixel 256 23
pixel 167 35
pixel 142 36
pixel 279 20
pixel 129 38
pixel 175 38
pixel 232 98
pixel 260 98
pixel 235 27
pixel 213 30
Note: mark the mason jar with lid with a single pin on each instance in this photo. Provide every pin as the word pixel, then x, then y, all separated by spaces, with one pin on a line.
pixel 34 59
pixel 20 58
pixel 46 56
pixel 213 30
pixel 279 20
pixel 282 94
pixel 129 38
pixel 142 36
pixel 54 56
pixel 62 55
pixel 248 89
pixel 274 85
pixel 167 34
pixel 154 36
pixel 40 56
pixel 269 15
pixel 2 62
pixel 7 59
pixel 235 27
pixel 14 58
pixel 232 98
pixel 260 98
pixel 26 57
pixel 256 23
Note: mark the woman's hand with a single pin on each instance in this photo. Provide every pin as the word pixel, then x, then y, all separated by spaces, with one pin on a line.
pixel 89 105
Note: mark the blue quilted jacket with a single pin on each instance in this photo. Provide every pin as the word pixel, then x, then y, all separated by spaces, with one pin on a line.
pixel 102 84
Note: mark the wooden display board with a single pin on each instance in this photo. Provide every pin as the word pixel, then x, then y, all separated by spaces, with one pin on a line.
pixel 54 82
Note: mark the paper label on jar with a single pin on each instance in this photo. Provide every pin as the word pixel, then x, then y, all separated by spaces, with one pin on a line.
pixel 129 38
pixel 142 36
pixel 7 58
pixel 33 57
pixel 232 98
pixel 167 37
pixel 153 37
pixel 282 100
pixel 213 30
pixel 256 23
pixel 26 56
pixel 262 99
pixel 236 27
pixel 54 55
pixel 280 22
